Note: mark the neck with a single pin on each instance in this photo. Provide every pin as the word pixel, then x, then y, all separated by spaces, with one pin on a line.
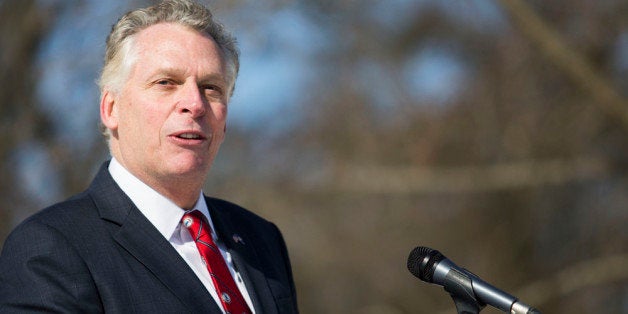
pixel 183 195
pixel 184 191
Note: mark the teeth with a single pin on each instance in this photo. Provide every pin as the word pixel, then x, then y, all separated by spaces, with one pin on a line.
pixel 189 136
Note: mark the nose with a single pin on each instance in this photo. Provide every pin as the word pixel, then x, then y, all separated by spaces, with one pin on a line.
pixel 192 101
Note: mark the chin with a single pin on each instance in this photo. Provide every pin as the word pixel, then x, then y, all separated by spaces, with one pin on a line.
pixel 189 166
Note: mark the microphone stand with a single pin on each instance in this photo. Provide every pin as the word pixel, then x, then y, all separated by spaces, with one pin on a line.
pixel 460 289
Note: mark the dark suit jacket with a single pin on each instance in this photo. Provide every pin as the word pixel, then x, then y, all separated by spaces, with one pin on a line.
pixel 96 253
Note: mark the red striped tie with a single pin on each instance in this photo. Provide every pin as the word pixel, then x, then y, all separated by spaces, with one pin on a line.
pixel 230 296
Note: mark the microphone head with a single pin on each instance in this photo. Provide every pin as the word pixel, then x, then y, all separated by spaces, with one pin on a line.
pixel 422 262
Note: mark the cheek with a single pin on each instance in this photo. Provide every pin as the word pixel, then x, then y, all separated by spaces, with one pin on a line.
pixel 139 121
pixel 221 114
pixel 219 123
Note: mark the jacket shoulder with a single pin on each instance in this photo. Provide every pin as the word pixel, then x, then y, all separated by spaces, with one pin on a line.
pixel 234 210
pixel 64 214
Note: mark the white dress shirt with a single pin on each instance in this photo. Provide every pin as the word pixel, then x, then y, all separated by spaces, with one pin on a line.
pixel 166 217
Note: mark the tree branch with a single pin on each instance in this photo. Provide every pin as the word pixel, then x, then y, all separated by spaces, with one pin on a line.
pixel 399 180
pixel 568 60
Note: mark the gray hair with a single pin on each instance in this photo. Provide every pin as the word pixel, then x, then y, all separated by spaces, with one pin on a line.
pixel 119 56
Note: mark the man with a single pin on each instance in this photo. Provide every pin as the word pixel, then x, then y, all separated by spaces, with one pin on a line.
pixel 143 238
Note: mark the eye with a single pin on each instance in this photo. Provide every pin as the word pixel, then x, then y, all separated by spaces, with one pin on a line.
pixel 164 82
pixel 212 90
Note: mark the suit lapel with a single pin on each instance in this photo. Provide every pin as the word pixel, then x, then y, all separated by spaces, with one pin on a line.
pixel 243 251
pixel 144 242
pixel 149 247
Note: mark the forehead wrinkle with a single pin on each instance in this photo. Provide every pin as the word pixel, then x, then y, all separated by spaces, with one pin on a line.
pixel 170 72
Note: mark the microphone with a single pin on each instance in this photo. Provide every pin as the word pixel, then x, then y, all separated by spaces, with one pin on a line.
pixel 433 267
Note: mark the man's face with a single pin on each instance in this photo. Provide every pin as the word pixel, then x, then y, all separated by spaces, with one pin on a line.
pixel 169 117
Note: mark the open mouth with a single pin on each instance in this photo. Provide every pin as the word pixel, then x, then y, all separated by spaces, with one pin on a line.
pixel 190 136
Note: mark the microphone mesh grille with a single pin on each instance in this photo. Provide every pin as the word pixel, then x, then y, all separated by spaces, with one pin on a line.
pixel 421 262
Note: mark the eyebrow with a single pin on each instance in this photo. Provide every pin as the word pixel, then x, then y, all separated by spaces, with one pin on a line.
pixel 177 72
pixel 166 72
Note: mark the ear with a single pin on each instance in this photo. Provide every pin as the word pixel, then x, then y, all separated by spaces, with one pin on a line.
pixel 109 110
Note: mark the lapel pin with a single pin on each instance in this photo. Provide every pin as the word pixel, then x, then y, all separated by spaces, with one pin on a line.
pixel 187 222
pixel 238 239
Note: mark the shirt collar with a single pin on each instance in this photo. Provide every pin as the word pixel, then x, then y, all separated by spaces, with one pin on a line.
pixel 164 214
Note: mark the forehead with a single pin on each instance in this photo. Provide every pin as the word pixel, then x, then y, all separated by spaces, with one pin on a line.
pixel 177 46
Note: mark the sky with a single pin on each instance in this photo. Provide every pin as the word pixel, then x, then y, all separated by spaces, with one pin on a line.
pixel 277 51
pixel 278 44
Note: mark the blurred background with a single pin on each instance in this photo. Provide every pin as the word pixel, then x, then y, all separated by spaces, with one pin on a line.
pixel 495 131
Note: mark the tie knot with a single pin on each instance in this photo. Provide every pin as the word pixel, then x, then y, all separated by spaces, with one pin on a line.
pixel 192 217
pixel 196 223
